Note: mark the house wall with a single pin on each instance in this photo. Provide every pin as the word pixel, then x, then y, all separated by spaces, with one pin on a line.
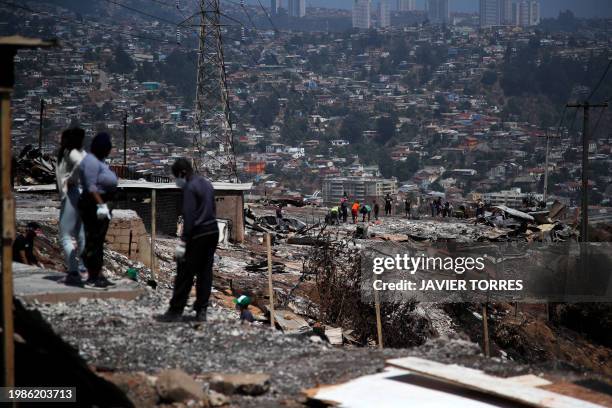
pixel 230 206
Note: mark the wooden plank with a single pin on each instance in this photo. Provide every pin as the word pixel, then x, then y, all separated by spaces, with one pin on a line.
pixel 479 381
pixel 289 322
pixel 576 391
pixel 8 233
pixel 334 335
pixel 529 380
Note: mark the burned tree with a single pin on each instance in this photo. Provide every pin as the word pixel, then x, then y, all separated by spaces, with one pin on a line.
pixel 336 266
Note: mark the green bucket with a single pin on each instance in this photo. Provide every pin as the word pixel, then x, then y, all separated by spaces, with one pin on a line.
pixel 132 273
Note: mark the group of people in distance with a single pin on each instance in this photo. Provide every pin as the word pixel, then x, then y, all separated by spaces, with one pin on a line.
pixel 340 213
pixel 87 187
pixel 440 209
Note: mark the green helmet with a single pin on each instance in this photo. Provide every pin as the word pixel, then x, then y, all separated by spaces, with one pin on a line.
pixel 242 300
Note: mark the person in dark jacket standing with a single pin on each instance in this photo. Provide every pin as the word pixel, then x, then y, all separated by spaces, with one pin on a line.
pixel 195 254
pixel 388 204
pixel 99 185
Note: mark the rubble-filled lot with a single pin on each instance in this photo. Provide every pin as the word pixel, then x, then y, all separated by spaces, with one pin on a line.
pixel 123 337
pixel 124 342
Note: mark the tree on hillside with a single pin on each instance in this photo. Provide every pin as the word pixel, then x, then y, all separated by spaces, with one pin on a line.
pixel 385 126
pixel 122 62
pixel 264 111
pixel 489 78
pixel 353 126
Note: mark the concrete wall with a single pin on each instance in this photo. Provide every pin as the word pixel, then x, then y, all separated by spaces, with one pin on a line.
pixel 123 223
pixel 169 204
pixel 118 235
pixel 230 206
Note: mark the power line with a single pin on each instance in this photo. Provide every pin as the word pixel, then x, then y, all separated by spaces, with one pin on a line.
pixel 603 77
pixel 162 3
pixel 83 24
pixel 601 114
pixel 144 13
pixel 268 16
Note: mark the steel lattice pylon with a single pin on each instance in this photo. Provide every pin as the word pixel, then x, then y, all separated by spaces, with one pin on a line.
pixel 213 144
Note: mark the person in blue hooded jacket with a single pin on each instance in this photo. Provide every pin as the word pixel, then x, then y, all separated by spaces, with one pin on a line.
pixel 99 185
pixel 196 252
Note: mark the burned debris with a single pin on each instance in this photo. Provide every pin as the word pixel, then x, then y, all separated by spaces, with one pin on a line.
pixel 32 167
pixel 318 311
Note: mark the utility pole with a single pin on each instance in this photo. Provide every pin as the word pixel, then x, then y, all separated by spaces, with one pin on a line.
pixel 546 168
pixel 125 141
pixel 213 117
pixel 40 125
pixel 546 171
pixel 586 106
pixel 8 49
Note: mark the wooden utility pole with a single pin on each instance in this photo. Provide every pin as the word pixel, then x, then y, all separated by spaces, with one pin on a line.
pixel 270 286
pixel 153 231
pixel 125 141
pixel 586 106
pixel 546 167
pixel 546 170
pixel 378 319
pixel 485 331
pixel 40 125
pixel 8 49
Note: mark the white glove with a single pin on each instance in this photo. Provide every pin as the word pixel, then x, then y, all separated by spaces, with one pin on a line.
pixel 103 212
pixel 179 252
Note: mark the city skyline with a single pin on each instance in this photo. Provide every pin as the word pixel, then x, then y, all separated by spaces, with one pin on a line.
pixel 549 8
pixel 522 13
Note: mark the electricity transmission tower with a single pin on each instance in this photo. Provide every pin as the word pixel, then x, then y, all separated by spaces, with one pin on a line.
pixel 213 143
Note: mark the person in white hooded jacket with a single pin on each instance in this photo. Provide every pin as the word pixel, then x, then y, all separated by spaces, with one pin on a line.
pixel 69 157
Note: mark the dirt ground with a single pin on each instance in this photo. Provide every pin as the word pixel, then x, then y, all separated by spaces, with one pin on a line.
pixel 123 341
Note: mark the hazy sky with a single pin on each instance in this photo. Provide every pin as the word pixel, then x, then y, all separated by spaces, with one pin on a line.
pixel 550 8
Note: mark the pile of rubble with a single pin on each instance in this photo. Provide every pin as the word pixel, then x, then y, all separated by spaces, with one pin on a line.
pixel 32 167
pixel 326 331
pixel 221 362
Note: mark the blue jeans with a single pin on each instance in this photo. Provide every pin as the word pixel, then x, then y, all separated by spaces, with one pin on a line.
pixel 71 228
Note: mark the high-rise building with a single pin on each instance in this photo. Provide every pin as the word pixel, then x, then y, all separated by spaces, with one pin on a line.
pixel 506 14
pixel 523 13
pixel 534 12
pixel 384 14
pixel 297 8
pixel 490 13
pixel 528 13
pixel 361 14
pixel 406 5
pixel 275 6
pixel 437 11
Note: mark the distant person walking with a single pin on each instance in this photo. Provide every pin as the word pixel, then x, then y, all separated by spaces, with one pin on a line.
pixel 355 211
pixel 196 253
pixel 279 215
pixel 99 185
pixel 344 210
pixel 364 212
pixel 69 157
pixel 376 210
pixel 388 204
pixel 407 207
